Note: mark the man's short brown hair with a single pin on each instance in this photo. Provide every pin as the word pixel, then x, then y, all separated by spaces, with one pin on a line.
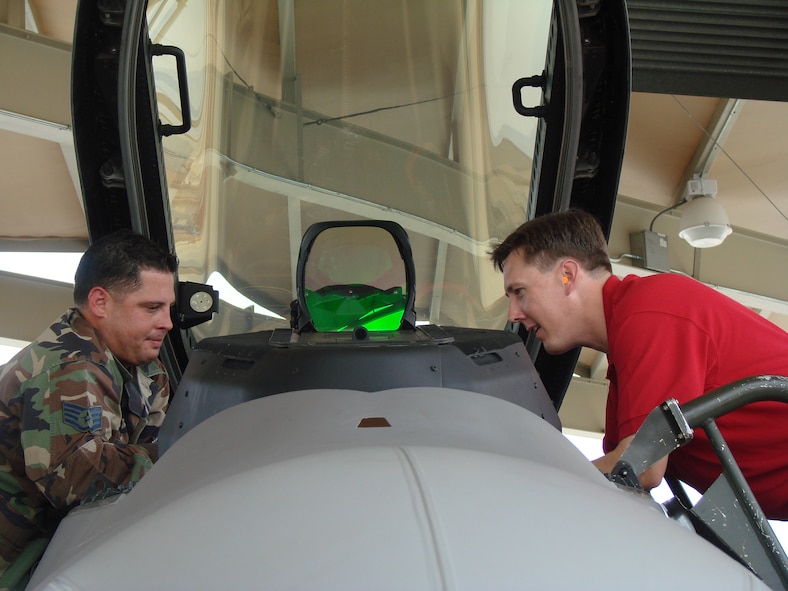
pixel 546 239
pixel 114 262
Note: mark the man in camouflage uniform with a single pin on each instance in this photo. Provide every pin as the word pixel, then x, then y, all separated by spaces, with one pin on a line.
pixel 80 407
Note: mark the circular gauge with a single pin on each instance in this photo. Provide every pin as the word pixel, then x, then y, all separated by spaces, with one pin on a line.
pixel 201 301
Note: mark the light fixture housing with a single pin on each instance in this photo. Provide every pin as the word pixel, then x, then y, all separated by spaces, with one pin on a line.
pixel 704 222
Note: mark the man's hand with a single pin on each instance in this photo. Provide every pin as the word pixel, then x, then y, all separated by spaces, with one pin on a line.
pixel 152 449
pixel 651 478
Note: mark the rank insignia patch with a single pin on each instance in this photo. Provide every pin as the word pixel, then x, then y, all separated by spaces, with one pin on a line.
pixel 81 418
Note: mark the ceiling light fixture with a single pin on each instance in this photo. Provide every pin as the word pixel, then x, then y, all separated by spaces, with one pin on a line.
pixel 704 222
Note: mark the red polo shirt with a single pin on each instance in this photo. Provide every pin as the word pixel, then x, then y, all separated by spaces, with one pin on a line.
pixel 670 336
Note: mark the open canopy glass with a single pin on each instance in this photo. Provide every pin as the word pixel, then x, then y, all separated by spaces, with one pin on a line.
pixel 306 111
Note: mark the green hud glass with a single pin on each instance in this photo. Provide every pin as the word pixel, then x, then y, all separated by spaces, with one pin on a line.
pixel 354 274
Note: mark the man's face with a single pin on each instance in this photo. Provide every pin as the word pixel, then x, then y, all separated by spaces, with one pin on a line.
pixel 537 301
pixel 136 322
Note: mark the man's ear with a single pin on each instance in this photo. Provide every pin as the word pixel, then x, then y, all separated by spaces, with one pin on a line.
pixel 569 269
pixel 98 299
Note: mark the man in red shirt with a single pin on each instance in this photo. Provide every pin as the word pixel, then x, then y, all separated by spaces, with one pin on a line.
pixel 665 336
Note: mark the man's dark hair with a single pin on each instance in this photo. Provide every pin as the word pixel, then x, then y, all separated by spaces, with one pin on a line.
pixel 547 238
pixel 114 262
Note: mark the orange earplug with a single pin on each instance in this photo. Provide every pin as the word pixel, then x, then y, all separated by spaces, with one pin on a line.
pixel 565 280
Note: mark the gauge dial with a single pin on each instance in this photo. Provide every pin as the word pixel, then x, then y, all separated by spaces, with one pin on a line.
pixel 201 301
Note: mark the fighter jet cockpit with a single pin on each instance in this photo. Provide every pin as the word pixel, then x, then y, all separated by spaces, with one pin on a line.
pixel 353 325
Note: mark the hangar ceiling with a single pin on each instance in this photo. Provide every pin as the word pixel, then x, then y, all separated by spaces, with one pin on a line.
pixel 710 82
pixel 716 48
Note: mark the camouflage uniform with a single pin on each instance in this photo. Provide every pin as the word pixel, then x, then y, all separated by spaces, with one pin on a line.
pixel 70 416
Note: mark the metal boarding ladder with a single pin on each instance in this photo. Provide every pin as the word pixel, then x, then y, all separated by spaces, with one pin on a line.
pixel 727 515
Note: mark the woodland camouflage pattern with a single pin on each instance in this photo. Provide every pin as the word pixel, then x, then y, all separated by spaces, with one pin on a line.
pixel 70 416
